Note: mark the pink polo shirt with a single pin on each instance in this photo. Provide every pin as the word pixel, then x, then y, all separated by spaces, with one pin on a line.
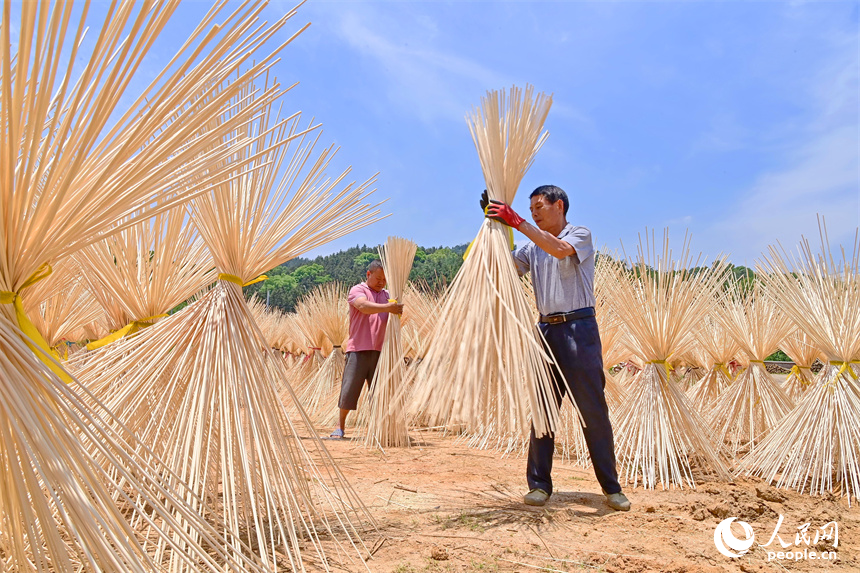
pixel 366 331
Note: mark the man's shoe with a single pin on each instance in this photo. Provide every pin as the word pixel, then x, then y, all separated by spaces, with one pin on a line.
pixel 618 501
pixel 337 434
pixel 536 497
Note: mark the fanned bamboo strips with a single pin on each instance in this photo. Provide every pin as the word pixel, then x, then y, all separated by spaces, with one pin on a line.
pixel 718 348
pixel 611 330
pixel 89 492
pixel 63 306
pixel 331 312
pixel 816 447
pixel 206 396
pixel 658 437
pixel 147 269
pixel 800 349
pixel 386 423
pixel 68 180
pixel 754 403
pixel 419 313
pixel 486 365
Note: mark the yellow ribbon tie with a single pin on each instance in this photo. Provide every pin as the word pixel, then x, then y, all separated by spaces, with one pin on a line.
pixel 843 367
pixel 32 337
pixel 725 370
pixel 128 329
pixel 665 364
pixel 236 280
pixel 392 300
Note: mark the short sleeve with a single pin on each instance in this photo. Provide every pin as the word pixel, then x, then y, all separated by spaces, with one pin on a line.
pixel 355 292
pixel 580 239
pixel 521 259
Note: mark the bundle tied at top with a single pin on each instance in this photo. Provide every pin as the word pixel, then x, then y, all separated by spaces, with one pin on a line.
pixel 386 424
pixel 486 367
pixel 815 448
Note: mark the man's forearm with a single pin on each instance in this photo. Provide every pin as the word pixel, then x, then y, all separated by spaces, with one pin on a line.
pixel 367 307
pixel 546 241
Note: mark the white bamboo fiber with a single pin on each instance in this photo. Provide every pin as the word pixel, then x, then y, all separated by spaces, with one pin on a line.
pixel 486 366
pixel 77 494
pixel 386 423
pixel 754 403
pixel 205 397
pixel 719 348
pixel 816 447
pixel 658 438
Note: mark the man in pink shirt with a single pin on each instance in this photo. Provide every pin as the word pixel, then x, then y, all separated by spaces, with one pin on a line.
pixel 368 316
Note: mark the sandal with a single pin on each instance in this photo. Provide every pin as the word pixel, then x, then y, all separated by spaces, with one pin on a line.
pixel 337 433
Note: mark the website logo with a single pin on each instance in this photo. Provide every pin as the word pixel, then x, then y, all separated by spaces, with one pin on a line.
pixel 804 546
pixel 727 543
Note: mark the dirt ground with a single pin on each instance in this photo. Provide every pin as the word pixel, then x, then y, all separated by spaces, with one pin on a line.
pixel 443 507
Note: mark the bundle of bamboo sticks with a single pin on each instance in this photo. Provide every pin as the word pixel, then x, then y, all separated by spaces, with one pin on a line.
pixel 659 438
pixel 329 309
pixel 206 396
pixel 386 423
pixel 146 270
pixel 754 403
pixel 79 491
pixel 419 314
pixel 486 366
pixel 719 348
pixel 816 447
pixel 803 352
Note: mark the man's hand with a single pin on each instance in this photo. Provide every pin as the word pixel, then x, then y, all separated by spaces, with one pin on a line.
pixel 503 213
pixel 395 308
pixel 485 201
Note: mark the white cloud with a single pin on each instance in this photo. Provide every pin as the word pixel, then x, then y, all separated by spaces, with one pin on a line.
pixel 432 83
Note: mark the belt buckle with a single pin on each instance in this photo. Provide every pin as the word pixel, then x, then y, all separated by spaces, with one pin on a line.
pixel 557 319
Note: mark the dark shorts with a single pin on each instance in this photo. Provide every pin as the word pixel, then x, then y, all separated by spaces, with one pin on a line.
pixel 359 370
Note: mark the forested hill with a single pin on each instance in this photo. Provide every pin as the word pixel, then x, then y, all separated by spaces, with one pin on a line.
pixel 292 280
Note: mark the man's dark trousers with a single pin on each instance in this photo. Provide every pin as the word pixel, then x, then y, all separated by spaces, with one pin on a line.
pixel 576 347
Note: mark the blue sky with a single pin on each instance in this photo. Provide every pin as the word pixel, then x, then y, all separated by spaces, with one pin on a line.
pixel 735 120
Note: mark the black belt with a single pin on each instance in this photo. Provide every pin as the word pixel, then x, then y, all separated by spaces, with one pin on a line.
pixel 560 317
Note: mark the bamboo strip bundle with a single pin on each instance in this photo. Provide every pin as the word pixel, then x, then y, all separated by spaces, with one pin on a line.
pixel 816 447
pixel 74 166
pixel 331 310
pixel 611 330
pixel 386 423
pixel 801 350
pixel 267 320
pixel 658 437
pixel 719 348
pixel 288 337
pixel 207 398
pixel 419 314
pixel 486 365
pixel 314 345
pixel 61 305
pixel 754 403
pixel 146 270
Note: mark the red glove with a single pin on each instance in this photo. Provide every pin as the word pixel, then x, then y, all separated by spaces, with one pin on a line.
pixel 503 213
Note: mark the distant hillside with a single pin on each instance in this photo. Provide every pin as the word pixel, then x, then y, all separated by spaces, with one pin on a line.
pixel 287 283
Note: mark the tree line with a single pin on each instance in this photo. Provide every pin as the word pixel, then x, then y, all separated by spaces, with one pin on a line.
pixel 434 267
